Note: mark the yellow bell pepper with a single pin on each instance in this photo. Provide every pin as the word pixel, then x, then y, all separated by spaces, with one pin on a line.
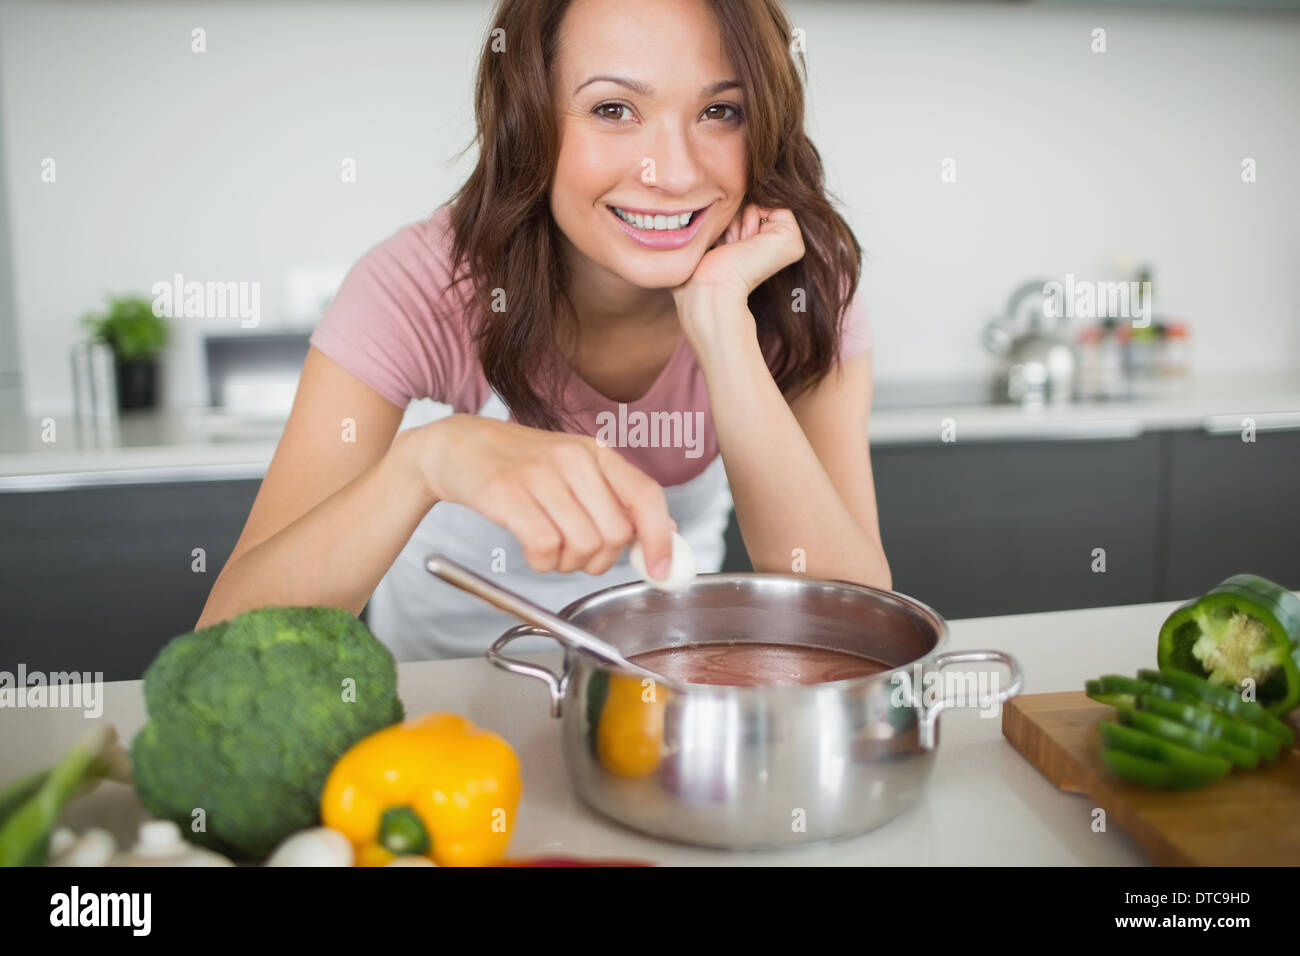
pixel 629 736
pixel 436 786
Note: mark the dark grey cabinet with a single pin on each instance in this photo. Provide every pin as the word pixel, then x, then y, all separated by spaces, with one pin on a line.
pixel 100 578
pixel 983 528
pixel 979 529
pixel 1232 507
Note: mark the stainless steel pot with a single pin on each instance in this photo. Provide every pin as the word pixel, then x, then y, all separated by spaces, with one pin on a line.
pixel 753 767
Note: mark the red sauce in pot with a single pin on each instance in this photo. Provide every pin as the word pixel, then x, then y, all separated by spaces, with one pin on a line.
pixel 754 664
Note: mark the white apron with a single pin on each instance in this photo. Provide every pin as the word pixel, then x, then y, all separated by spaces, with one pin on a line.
pixel 421 617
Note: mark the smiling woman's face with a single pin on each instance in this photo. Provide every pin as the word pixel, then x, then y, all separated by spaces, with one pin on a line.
pixel 651 122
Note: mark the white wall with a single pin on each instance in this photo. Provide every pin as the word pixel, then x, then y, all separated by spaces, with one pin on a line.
pixel 225 165
pixel 1065 159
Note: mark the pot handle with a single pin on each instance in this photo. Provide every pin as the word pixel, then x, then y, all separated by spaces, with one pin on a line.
pixel 515 666
pixel 930 715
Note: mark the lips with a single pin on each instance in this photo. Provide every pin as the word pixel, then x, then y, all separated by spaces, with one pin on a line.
pixel 661 238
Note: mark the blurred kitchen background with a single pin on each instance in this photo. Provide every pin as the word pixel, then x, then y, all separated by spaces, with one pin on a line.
pixel 980 149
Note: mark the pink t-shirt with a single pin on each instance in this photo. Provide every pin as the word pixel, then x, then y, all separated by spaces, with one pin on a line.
pixel 393 326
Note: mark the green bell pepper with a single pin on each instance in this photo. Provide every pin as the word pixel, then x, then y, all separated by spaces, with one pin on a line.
pixel 1214 723
pixel 1192 767
pixel 1244 628
pixel 1180 685
pixel 1191 739
pixel 1157 773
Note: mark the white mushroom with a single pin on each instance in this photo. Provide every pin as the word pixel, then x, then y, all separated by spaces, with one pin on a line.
pixel 319 846
pixel 161 844
pixel 679 575
pixel 95 847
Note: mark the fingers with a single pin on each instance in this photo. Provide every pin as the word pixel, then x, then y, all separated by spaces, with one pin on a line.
pixel 579 538
pixel 511 505
pixel 606 511
pixel 732 232
pixel 573 503
pixel 644 500
pixel 745 223
pixel 564 512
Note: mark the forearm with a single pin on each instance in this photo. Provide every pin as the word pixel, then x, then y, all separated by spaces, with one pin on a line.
pixel 337 552
pixel 783 497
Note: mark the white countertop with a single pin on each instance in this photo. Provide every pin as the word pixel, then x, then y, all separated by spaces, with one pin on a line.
pixel 201 444
pixel 1212 405
pixel 152 445
pixel 984 803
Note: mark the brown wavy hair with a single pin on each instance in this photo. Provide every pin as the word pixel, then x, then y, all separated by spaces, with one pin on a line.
pixel 505 237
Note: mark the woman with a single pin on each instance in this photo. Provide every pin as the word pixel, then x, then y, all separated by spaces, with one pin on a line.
pixel 645 238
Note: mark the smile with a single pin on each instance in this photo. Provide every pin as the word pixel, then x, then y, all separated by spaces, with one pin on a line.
pixel 660 230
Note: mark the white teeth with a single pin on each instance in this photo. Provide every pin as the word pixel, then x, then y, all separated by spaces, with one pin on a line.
pixel 635 219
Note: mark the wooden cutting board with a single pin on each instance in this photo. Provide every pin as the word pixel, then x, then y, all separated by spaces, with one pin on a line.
pixel 1247 818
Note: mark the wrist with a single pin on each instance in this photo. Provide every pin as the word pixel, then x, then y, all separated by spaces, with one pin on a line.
pixel 711 295
pixel 726 352
pixel 716 322
pixel 416 453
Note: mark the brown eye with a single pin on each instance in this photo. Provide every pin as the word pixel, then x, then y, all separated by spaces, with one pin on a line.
pixel 735 117
pixel 603 108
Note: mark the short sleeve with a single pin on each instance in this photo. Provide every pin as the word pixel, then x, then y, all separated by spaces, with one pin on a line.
pixel 391 325
pixel 855 336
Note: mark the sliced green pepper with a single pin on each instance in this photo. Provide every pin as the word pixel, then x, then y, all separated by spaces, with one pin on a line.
pixel 1192 739
pixel 1142 744
pixel 1111 698
pixel 1216 724
pixel 1181 684
pixel 1153 773
pixel 1246 627
pixel 1117 686
pixel 1182 687
pixel 1116 690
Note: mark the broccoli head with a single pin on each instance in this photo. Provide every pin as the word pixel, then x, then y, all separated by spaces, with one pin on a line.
pixel 247 717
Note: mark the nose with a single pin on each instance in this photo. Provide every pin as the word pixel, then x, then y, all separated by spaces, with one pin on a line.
pixel 677 168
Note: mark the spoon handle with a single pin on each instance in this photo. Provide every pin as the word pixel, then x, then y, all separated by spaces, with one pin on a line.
pixel 524 609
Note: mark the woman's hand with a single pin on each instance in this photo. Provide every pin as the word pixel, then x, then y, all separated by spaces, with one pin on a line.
pixel 745 256
pixel 573 503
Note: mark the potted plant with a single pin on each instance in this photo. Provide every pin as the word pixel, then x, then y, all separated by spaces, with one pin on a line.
pixel 137 336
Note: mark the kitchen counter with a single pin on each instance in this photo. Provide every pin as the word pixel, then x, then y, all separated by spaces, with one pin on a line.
pixel 204 444
pixel 144 445
pixel 984 803
pixel 1210 404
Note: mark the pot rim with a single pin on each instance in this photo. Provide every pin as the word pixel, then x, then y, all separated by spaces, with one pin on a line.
pixel 738 577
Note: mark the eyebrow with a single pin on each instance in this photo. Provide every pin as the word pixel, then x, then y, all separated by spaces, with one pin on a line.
pixel 636 86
